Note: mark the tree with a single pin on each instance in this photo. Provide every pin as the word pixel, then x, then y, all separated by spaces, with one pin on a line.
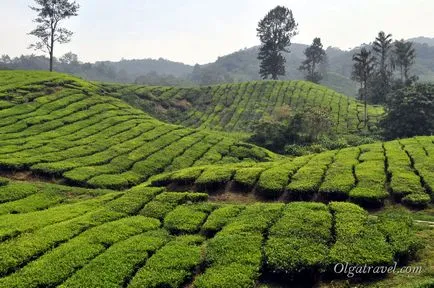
pixel 6 59
pixel 315 55
pixel 285 127
pixel 381 82
pixel 363 67
pixel 48 30
pixel 69 58
pixel 404 59
pixel 275 31
pixel 411 112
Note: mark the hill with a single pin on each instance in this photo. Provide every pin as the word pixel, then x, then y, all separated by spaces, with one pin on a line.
pixel 423 40
pixel 57 125
pixel 240 66
pixel 169 221
pixel 396 171
pixel 237 106
pixel 149 237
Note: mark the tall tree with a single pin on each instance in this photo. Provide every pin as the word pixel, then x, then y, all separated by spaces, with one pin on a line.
pixel 381 82
pixel 404 59
pixel 364 64
pixel 411 112
pixel 315 55
pixel 275 31
pixel 48 30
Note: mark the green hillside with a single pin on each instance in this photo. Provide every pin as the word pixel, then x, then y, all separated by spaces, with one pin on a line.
pixel 97 193
pixel 236 107
pixel 61 126
pixel 400 171
pixel 148 237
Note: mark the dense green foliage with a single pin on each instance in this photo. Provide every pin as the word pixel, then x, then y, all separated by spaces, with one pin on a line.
pixel 99 239
pixel 70 131
pixel 275 31
pixel 238 107
pixel 411 112
pixel 315 55
pixel 367 175
pixel 304 127
pixel 59 125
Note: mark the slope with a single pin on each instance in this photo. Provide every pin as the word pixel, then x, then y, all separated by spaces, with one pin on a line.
pixel 397 171
pixel 56 125
pixel 149 237
pixel 236 107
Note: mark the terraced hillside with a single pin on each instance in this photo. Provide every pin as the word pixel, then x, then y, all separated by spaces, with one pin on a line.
pixel 57 125
pixel 148 237
pixel 236 107
pixel 158 227
pixel 402 171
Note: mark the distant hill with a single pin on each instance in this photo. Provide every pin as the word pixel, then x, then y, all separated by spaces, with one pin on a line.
pixel 423 40
pixel 139 67
pixel 239 66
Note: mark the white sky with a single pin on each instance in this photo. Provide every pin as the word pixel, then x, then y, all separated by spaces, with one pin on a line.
pixel 198 31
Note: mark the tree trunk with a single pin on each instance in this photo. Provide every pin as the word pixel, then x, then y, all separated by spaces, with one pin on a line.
pixel 51 50
pixel 51 61
pixel 365 114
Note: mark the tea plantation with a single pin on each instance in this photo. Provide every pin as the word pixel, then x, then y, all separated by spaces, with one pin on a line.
pixel 63 127
pixel 236 107
pixel 147 237
pixel 399 171
pixel 96 193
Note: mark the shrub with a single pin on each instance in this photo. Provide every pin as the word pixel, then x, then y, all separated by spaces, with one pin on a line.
pixel 15 191
pixel 57 265
pixel 397 226
pixel 247 177
pixel 410 112
pixel 172 265
pixel 186 176
pixel 134 199
pixel 358 242
pixel 167 201
pixel 214 176
pixel 111 268
pixel 185 219
pixel 273 181
pixel 16 224
pixel 227 276
pixel 3 181
pixel 417 200
pixel 299 240
pixel 308 178
pixel 220 217
pixel 370 189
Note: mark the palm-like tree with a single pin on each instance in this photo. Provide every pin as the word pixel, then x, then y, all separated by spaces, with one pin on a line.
pixel 364 63
pixel 382 47
pixel 404 58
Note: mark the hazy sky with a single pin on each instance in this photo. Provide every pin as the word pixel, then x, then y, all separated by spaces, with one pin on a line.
pixel 198 31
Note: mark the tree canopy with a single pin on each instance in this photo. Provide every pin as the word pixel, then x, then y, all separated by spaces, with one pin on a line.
pixel 315 55
pixel 275 31
pixel 48 30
